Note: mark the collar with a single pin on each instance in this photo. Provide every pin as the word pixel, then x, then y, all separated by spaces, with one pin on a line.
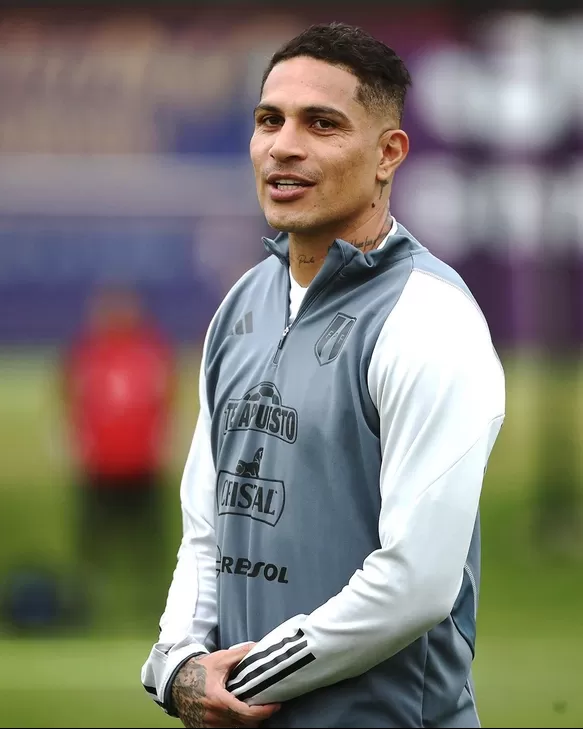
pixel 392 231
pixel 344 256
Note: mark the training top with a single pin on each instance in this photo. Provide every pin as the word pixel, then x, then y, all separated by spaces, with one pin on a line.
pixel 331 493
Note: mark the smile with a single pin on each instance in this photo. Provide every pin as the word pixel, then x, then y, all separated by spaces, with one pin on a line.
pixel 287 190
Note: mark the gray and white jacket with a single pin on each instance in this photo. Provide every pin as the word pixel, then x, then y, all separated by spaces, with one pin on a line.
pixel 331 493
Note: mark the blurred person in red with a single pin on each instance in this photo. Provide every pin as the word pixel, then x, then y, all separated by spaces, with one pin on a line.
pixel 118 383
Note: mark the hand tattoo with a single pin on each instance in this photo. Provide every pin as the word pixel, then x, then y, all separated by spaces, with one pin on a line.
pixel 233 718
pixel 188 690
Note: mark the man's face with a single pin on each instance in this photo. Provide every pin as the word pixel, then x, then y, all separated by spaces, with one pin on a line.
pixel 311 130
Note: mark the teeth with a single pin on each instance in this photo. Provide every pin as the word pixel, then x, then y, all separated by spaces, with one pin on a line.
pixel 288 182
pixel 288 186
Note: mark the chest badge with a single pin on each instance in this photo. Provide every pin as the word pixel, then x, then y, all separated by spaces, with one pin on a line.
pixel 330 344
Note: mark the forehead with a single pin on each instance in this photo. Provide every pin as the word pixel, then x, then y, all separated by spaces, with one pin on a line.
pixel 303 81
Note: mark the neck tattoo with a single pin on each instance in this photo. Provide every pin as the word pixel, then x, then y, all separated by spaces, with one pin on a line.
pixel 369 244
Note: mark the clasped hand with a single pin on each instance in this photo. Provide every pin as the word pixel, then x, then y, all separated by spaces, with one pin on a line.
pixel 200 696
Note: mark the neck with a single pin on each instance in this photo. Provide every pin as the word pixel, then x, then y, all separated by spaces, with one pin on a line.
pixel 307 252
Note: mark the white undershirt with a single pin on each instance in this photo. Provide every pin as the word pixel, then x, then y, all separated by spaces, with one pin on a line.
pixel 297 292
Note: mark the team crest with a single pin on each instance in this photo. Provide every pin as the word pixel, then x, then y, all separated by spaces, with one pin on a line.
pixel 330 344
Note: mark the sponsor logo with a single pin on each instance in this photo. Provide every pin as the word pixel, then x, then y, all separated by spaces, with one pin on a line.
pixel 261 409
pixel 330 344
pixel 246 568
pixel 244 493
pixel 250 469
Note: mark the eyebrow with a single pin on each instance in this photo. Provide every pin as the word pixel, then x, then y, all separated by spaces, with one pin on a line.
pixel 309 110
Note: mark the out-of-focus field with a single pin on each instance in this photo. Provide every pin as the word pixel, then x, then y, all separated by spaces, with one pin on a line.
pixel 530 640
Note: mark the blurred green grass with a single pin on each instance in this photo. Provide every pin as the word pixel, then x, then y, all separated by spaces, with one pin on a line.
pixel 530 631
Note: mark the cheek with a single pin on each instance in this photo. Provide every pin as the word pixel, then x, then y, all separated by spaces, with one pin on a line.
pixel 354 176
pixel 256 152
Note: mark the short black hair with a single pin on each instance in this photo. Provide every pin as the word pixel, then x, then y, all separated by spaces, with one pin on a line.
pixel 384 78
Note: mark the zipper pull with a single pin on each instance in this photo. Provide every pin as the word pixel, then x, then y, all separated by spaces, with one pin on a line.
pixel 283 336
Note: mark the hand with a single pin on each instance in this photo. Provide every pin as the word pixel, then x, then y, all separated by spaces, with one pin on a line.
pixel 200 696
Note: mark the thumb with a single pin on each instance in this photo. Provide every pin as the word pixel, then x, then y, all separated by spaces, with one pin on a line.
pixel 236 654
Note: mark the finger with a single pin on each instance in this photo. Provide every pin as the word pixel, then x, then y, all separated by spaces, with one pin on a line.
pixel 244 643
pixel 232 656
pixel 232 719
pixel 219 719
pixel 260 712
pixel 228 718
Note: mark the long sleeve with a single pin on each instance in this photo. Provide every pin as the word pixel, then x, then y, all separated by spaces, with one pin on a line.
pixel 190 614
pixel 439 389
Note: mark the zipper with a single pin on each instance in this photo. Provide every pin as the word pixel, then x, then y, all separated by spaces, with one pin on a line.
pixel 468 571
pixel 280 343
pixel 306 303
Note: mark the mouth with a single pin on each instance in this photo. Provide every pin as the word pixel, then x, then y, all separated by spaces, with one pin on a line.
pixel 288 188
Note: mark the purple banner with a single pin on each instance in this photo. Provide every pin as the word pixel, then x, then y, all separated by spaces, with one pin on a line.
pixel 124 142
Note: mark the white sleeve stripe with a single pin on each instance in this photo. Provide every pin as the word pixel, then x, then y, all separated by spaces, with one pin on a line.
pixel 261 669
pixel 267 653
pixel 266 666
pixel 290 668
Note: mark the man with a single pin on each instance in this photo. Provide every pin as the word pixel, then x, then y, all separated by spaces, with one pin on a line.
pixel 350 397
pixel 118 384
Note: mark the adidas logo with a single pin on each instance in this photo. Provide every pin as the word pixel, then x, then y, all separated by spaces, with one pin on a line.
pixel 244 325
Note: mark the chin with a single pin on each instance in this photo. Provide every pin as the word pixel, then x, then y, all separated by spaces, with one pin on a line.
pixel 289 222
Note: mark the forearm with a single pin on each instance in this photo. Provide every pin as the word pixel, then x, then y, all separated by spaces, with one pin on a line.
pixel 402 591
pixel 440 405
pixel 189 620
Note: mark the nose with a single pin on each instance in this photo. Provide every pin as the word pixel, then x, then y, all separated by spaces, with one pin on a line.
pixel 288 143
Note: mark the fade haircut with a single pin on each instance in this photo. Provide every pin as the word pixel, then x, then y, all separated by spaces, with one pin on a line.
pixel 383 77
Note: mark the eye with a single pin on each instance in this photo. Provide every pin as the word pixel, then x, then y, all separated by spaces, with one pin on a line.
pixel 324 125
pixel 269 121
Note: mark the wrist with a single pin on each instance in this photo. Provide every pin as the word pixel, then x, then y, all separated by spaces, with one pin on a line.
pixel 168 695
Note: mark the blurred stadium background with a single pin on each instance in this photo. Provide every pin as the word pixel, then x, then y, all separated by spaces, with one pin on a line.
pixel 123 143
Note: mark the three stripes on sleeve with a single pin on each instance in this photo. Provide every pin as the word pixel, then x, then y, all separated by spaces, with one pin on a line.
pixel 258 671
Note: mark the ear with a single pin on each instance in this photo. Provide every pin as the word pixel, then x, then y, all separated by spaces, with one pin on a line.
pixel 393 148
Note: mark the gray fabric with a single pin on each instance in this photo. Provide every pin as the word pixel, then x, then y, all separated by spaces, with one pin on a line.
pixel 295 441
